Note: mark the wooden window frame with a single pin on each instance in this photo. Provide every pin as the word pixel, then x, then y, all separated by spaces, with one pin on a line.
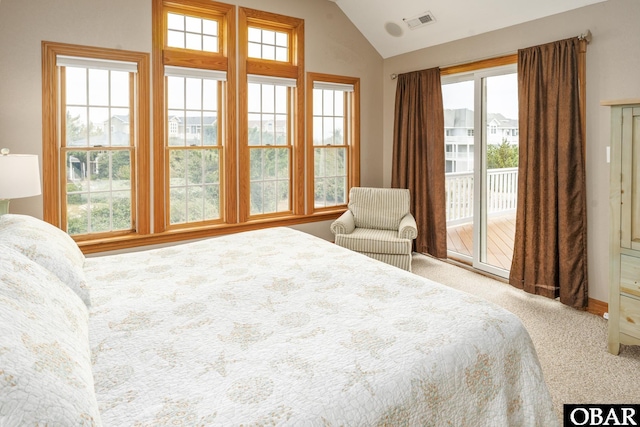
pixel 353 150
pixel 293 69
pixel 52 135
pixel 276 27
pixel 219 147
pixel 223 60
pixel 152 214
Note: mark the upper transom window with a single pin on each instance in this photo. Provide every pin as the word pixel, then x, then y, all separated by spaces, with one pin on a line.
pixel 268 44
pixel 189 32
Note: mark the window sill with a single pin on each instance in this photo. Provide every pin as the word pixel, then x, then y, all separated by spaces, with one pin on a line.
pixel 105 244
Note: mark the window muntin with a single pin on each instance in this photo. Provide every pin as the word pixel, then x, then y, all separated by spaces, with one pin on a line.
pixel 95 141
pixel 194 189
pixel 330 140
pixel 98 191
pixel 270 148
pixel 268 44
pixel 197 146
pixel 192 32
pixel 333 137
pixel 97 101
pixel 194 149
pixel 232 178
pixel 330 176
pixel 97 177
pixel 271 144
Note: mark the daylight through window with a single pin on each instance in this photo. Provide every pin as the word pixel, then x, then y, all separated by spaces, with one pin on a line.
pixel 96 107
pixel 229 150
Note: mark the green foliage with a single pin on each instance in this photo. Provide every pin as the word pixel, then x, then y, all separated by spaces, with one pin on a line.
pixel 77 225
pixel 74 198
pixel 118 211
pixel 195 185
pixel 120 165
pixel 194 166
pixel 76 130
pixel 269 174
pixel 107 208
pixel 330 175
pixel 210 136
pixel 107 214
pixel 502 156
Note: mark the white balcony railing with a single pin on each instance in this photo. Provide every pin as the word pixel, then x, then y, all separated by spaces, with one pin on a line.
pixel 502 193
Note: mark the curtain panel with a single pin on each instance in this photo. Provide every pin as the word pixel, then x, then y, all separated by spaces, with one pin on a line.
pixel 418 155
pixel 550 250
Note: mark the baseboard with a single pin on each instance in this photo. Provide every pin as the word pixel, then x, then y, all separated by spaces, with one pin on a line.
pixel 596 307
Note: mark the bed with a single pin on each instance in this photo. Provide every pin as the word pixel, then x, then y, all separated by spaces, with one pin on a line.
pixel 262 328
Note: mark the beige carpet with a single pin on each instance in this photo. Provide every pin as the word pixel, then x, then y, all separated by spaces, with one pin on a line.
pixel 571 344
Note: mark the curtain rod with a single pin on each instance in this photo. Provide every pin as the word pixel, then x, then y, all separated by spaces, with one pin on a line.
pixel 586 36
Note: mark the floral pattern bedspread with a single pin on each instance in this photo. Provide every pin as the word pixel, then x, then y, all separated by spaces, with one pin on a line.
pixel 277 327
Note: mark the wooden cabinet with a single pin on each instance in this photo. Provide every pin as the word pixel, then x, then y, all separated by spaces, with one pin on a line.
pixel 624 253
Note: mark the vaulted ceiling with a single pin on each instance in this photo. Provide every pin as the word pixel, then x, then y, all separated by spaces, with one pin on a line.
pixel 384 22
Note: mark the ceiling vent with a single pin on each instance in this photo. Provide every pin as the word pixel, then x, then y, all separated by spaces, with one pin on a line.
pixel 420 20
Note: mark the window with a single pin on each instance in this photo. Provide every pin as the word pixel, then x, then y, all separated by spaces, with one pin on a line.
pixel 333 139
pixel 482 195
pixel 229 143
pixel 95 140
pixel 272 148
pixel 268 44
pixel 192 32
pixel 194 148
pixel 194 159
pixel 270 144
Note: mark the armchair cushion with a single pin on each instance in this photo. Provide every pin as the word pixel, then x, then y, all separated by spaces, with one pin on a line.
pixel 379 208
pixel 374 241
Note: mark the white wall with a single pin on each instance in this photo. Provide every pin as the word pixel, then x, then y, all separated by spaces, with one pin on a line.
pixel 332 45
pixel 613 72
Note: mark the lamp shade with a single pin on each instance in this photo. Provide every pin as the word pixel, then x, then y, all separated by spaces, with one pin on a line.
pixel 19 176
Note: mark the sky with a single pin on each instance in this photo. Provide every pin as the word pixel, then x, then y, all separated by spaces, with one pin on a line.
pixel 502 95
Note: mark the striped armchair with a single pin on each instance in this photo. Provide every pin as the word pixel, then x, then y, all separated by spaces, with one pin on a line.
pixel 378 224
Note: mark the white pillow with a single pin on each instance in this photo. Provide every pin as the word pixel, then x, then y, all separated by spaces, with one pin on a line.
pixel 45 357
pixel 49 246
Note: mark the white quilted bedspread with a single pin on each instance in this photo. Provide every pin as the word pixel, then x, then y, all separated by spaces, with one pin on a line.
pixel 276 327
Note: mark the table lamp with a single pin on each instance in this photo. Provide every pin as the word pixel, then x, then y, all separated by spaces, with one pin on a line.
pixel 19 177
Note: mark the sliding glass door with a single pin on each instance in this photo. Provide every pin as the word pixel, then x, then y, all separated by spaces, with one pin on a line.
pixel 481 155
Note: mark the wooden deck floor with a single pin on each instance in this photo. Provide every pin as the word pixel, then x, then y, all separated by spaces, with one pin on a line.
pixel 499 240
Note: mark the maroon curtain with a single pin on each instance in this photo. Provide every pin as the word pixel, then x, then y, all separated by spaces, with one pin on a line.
pixel 550 250
pixel 418 155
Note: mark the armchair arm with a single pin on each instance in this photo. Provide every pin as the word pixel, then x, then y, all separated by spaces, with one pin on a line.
pixel 408 228
pixel 345 224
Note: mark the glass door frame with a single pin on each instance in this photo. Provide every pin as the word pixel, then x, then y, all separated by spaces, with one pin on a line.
pixel 480 201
